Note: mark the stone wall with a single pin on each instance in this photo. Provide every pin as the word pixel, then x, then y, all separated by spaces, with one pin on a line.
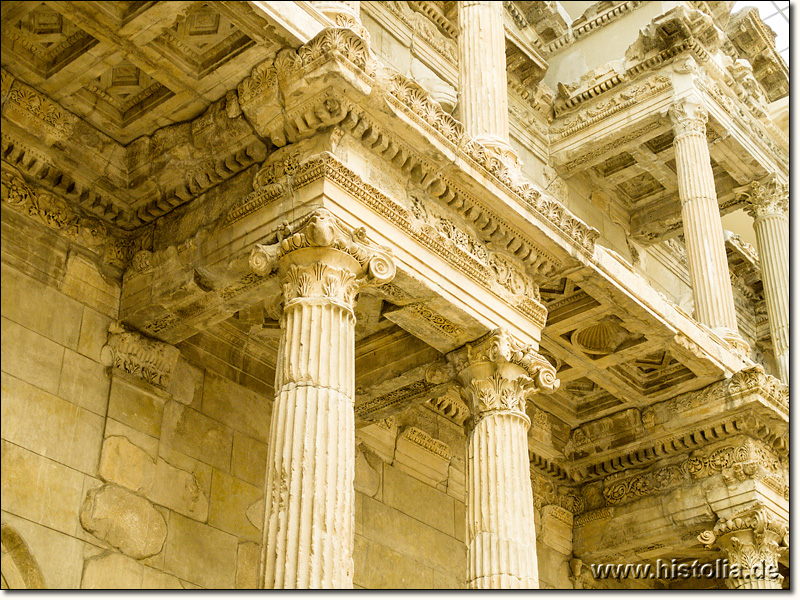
pixel 113 482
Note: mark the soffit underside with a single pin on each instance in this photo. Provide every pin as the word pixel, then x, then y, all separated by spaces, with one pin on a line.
pixel 128 68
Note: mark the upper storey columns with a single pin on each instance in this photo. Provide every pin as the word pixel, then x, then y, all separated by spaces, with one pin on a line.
pixel 309 511
pixel 482 75
pixel 705 243
pixel 768 204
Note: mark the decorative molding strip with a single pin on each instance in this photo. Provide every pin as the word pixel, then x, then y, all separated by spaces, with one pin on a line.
pixel 750 459
pixel 58 215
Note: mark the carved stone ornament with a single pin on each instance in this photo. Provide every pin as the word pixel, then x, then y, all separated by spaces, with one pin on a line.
pixel 752 541
pixel 689 116
pixel 322 257
pixel 140 356
pixel 498 373
pixel 770 196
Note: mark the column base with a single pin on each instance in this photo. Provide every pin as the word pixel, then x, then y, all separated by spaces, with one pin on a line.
pixel 734 340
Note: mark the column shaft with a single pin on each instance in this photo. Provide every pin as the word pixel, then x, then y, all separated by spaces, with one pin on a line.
pixel 307 539
pixel 309 501
pixel 500 523
pixel 772 236
pixel 497 374
pixel 482 71
pixel 705 243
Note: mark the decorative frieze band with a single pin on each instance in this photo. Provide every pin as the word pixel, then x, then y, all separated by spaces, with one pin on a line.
pixel 58 215
pixel 748 460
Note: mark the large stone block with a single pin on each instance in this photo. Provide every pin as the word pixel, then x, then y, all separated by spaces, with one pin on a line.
pixel 59 556
pixel 50 426
pixel 31 357
pixel 418 500
pixel 247 557
pixel 93 333
pixel 84 382
pixel 39 489
pixel 198 436
pixel 126 521
pixel 405 535
pixel 249 459
pixel 126 464
pixel 180 490
pixel 40 308
pixel 186 383
pixel 230 499
pixel 236 406
pixel 111 570
pixel 84 282
pixel 379 567
pixel 200 554
pixel 367 476
pixel 136 404
pixel 423 456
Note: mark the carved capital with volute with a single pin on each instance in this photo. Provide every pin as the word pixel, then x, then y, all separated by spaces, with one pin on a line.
pixel 770 196
pixel 688 116
pixel 323 258
pixel 497 374
pixel 752 542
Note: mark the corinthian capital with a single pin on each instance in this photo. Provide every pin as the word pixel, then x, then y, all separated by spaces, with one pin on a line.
pixel 770 196
pixel 751 539
pixel 498 373
pixel 324 258
pixel 688 116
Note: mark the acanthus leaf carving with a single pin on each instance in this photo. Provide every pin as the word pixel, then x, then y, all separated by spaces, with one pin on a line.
pixel 143 357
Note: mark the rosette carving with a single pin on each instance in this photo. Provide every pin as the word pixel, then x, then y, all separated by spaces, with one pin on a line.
pixel 323 257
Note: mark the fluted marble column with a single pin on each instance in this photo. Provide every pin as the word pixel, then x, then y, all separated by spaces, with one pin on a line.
pixel 483 96
pixel 752 543
pixel 705 242
pixel 308 523
pixel 768 204
pixel 497 375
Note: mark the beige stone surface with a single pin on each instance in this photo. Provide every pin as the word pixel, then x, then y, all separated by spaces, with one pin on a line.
pixel 30 356
pixel 372 559
pixel 186 383
pixel 200 554
pixel 249 461
pixel 230 499
pixel 124 520
pixel 84 382
pixel 40 308
pixel 50 426
pixel 367 476
pixel 39 489
pixel 194 434
pixel 111 570
pixel 132 405
pixel 126 464
pixel 59 556
pixel 236 406
pixel 202 210
pixel 418 500
pixel 247 566
pixel 93 334
pixel 412 538
pixel 180 490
